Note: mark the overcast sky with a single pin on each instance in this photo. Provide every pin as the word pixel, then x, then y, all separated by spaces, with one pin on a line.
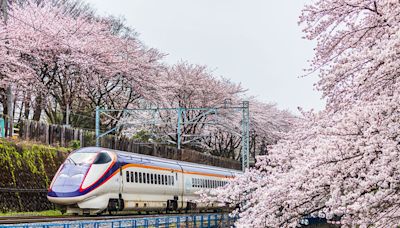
pixel 253 42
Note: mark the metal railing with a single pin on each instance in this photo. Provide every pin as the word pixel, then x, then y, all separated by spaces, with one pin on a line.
pixel 181 221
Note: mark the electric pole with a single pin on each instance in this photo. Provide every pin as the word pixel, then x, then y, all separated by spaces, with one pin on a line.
pixel 4 9
pixel 67 116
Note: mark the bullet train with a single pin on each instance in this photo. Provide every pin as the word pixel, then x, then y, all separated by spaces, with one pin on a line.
pixel 94 180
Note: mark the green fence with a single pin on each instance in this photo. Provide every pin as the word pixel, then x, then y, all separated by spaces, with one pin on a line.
pixel 2 128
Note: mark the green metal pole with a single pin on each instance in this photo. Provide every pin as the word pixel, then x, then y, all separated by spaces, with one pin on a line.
pixel 97 126
pixel 178 129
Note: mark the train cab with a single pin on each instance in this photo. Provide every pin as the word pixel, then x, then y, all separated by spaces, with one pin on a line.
pixel 82 173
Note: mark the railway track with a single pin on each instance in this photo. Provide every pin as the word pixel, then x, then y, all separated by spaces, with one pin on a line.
pixel 53 219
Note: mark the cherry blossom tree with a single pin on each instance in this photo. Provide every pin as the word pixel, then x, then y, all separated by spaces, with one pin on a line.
pixel 187 86
pixel 341 163
pixel 76 59
pixel 267 124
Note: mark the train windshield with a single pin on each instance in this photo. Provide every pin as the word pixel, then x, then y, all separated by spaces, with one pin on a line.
pixel 81 158
pixel 70 177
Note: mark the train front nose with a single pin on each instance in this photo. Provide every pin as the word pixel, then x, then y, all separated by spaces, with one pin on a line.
pixel 66 184
pixel 65 188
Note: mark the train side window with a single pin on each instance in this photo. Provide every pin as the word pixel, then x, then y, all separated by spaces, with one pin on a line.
pixel 127 176
pixel 132 177
pixel 144 178
pixel 148 178
pixel 173 180
pixel 151 178
pixel 169 180
pixel 140 177
pixel 165 180
pixel 155 179
pixel 136 177
pixel 159 178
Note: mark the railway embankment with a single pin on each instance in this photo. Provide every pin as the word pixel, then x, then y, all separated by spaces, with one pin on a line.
pixel 26 171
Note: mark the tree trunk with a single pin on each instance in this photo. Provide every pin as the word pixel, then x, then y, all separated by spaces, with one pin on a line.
pixel 38 108
pixel 27 105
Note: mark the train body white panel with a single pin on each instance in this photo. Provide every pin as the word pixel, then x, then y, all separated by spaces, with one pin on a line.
pixel 96 202
pixel 93 174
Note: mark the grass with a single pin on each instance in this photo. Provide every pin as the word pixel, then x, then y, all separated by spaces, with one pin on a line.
pixel 34 213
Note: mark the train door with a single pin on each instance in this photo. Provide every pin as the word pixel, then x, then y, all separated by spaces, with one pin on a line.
pixel 116 201
pixel 120 182
pixel 181 182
